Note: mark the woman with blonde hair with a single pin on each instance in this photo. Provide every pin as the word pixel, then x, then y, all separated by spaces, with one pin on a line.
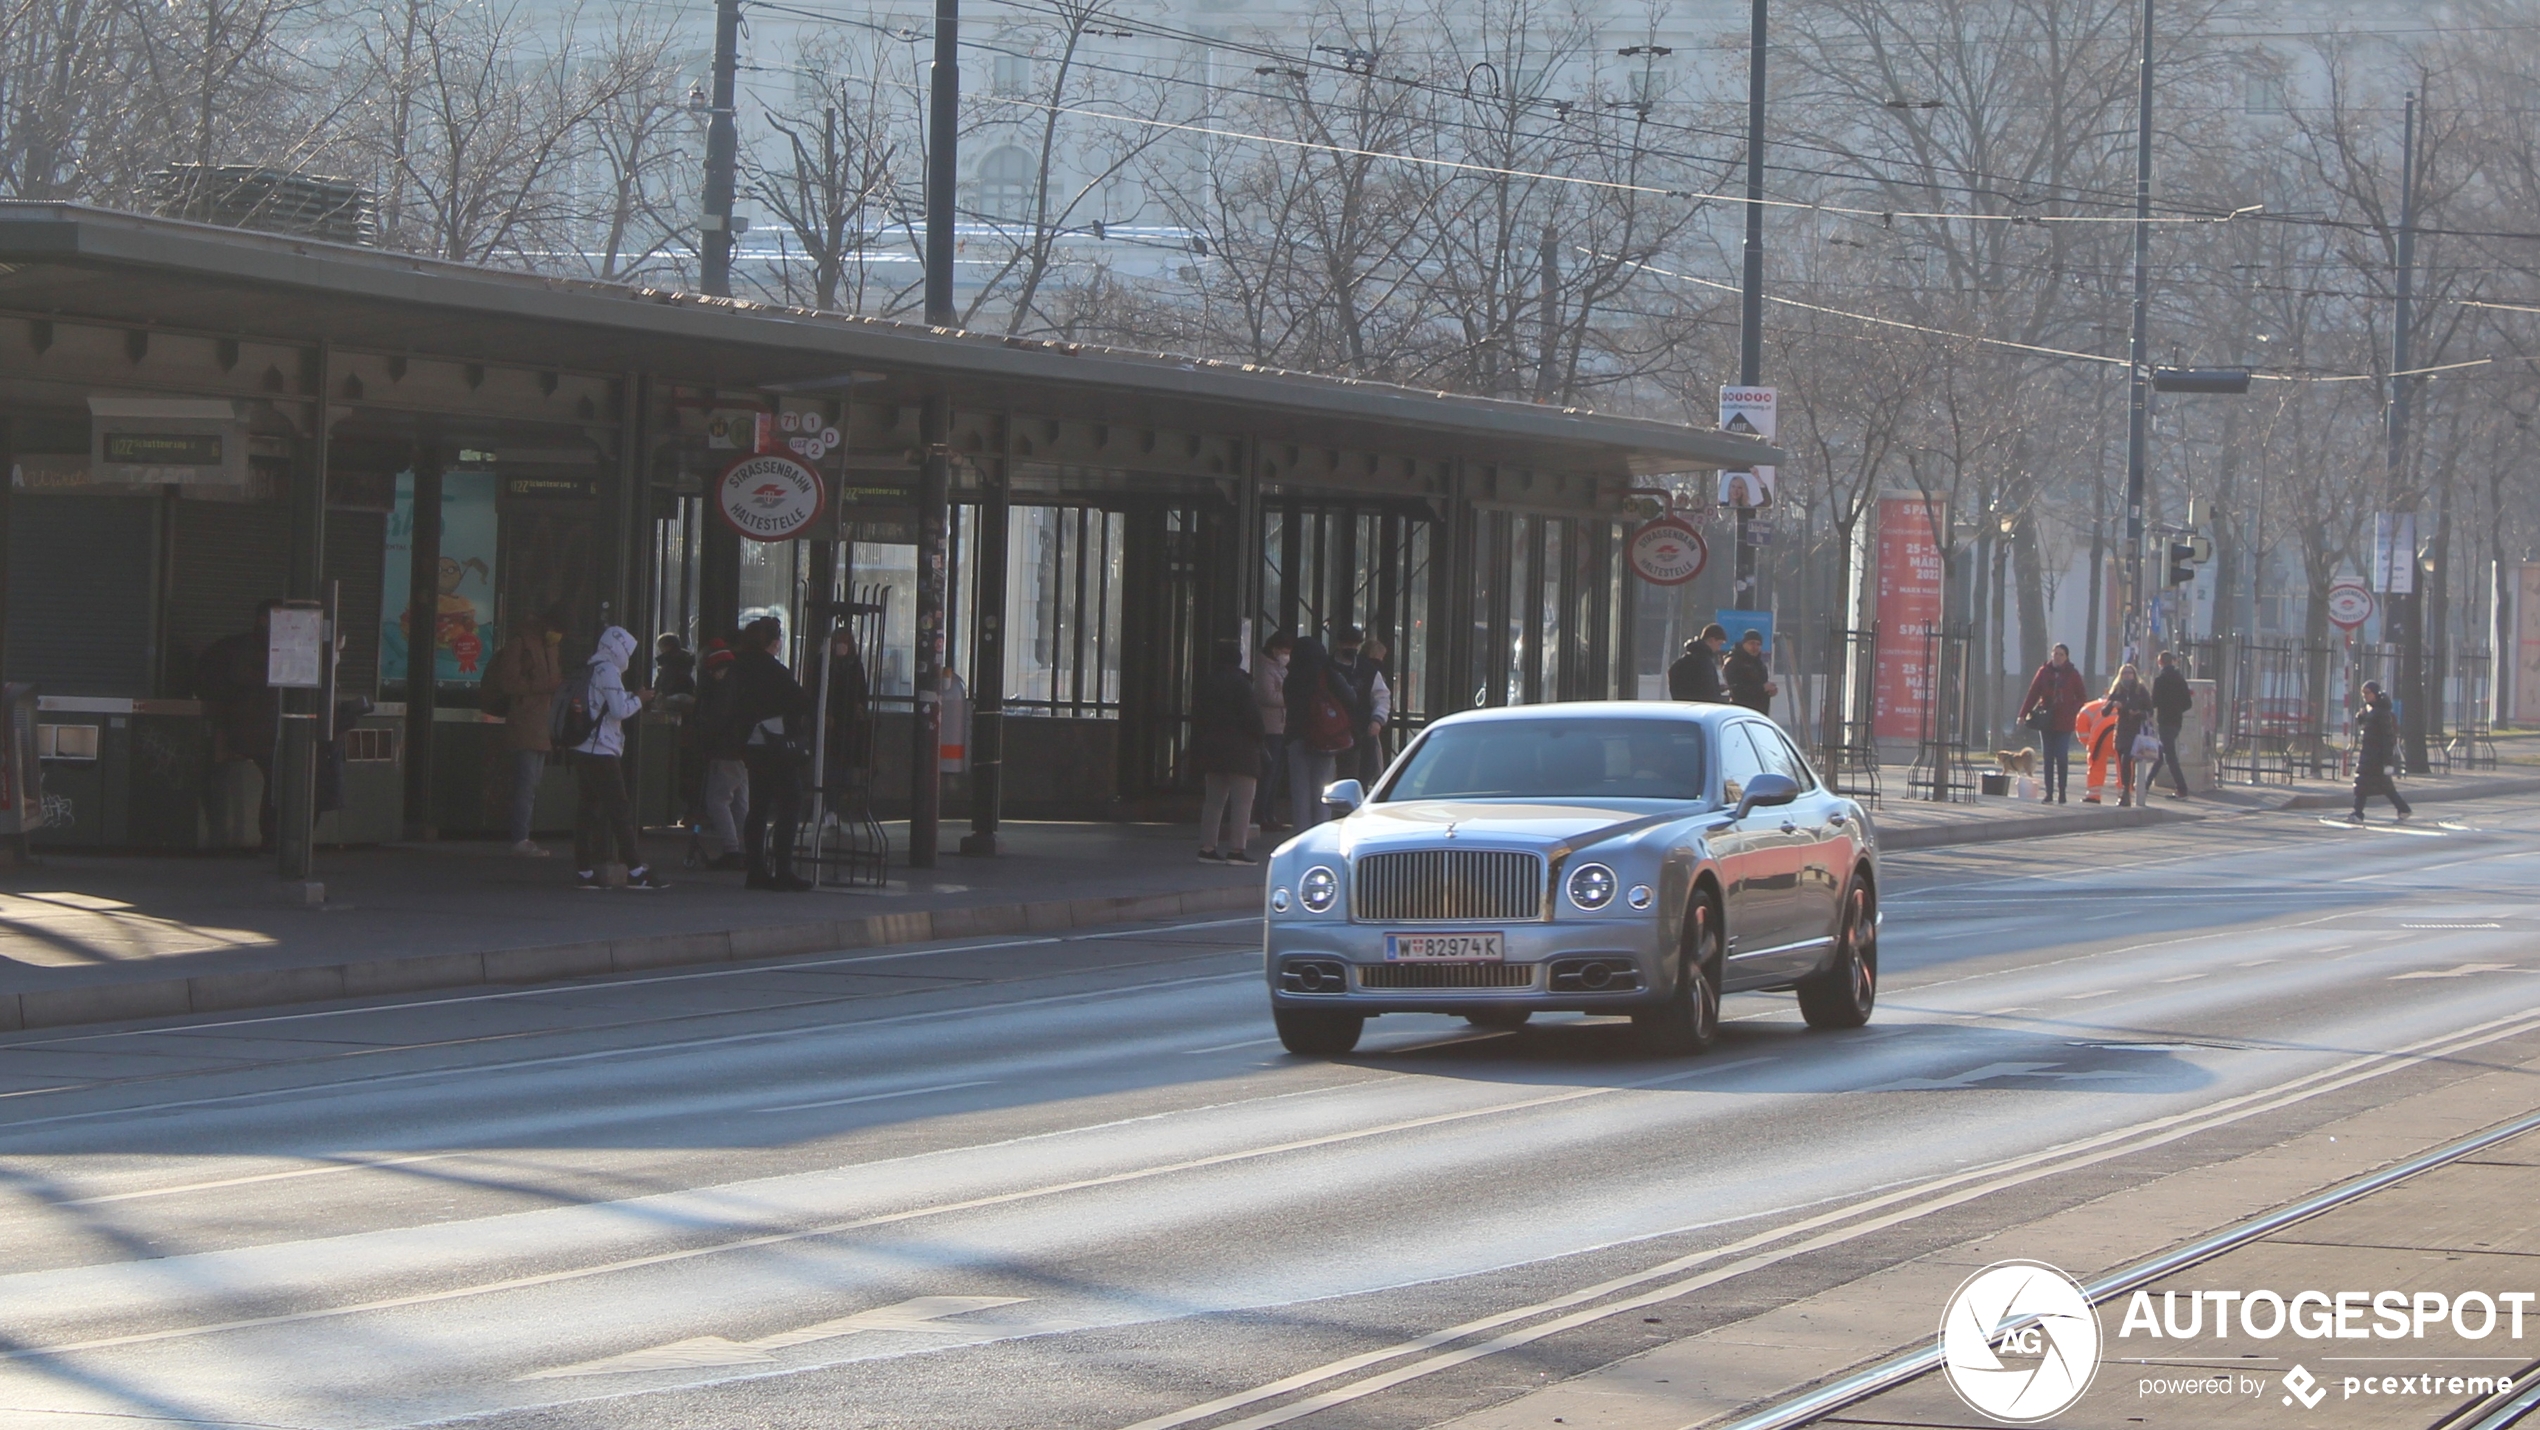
pixel 2130 701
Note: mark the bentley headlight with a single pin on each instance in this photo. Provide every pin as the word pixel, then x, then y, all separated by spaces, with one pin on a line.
pixel 1318 889
pixel 1592 886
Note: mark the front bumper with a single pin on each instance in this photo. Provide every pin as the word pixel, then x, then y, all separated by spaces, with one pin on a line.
pixel 1584 966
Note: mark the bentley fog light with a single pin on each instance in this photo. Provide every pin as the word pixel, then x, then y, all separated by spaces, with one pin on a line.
pixel 1592 886
pixel 1318 889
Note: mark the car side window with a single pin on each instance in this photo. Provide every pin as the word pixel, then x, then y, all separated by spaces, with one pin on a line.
pixel 1738 763
pixel 1780 757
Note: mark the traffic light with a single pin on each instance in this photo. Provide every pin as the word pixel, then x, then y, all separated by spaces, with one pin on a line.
pixel 2182 558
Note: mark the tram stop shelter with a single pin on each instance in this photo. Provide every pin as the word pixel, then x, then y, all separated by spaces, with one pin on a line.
pixel 197 419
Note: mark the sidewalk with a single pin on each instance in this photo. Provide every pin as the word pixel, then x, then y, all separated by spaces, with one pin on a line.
pixel 91 938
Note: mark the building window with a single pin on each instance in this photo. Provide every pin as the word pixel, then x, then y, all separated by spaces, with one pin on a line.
pixel 2261 94
pixel 1010 75
pixel 1005 184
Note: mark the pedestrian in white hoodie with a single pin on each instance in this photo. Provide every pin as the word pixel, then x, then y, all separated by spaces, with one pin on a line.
pixel 605 823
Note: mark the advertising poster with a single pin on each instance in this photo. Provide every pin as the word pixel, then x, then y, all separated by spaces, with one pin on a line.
pixel 1909 591
pixel 463 626
pixel 2526 672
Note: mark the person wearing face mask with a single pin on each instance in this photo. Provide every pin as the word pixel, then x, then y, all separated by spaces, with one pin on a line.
pixel 1269 691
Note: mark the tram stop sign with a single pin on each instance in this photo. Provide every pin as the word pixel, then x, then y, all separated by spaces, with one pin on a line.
pixel 2350 604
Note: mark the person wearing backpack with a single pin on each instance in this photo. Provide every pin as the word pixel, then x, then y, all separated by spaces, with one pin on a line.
pixel 1322 721
pixel 591 712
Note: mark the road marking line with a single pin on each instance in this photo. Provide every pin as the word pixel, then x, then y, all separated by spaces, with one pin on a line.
pixel 923 1313
pixel 768 1035
pixel 877 1096
pixel 1229 1047
pixel 2005 1175
pixel 2463 971
pixel 2182 978
pixel 584 986
pixel 326 1171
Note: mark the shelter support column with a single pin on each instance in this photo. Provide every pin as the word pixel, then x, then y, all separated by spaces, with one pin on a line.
pixel 925 773
pixel 423 609
pixel 305 721
pixel 987 674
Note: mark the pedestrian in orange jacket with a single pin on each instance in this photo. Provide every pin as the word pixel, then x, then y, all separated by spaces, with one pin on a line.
pixel 2096 726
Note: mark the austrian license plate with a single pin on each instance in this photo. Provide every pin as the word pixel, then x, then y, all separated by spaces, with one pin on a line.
pixel 1465 947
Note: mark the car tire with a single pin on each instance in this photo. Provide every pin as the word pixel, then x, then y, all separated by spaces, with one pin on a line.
pixel 1314 1033
pixel 1689 1020
pixel 1845 992
pixel 1499 1017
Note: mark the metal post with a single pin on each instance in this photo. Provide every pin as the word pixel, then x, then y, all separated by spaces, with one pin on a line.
pixel 2138 347
pixel 943 124
pixel 987 674
pixel 423 615
pixel 1750 346
pixel 2410 608
pixel 723 153
pixel 305 729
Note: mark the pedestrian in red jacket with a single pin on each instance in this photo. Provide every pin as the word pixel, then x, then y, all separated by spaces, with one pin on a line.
pixel 2054 698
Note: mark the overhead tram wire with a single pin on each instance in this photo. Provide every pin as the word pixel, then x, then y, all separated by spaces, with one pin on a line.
pixel 2003 188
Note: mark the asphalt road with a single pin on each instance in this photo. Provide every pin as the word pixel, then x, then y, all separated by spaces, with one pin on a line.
pixel 1074 1182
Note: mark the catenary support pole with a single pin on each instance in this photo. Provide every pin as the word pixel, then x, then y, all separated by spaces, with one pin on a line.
pixel 2138 352
pixel 934 481
pixel 1750 344
pixel 723 153
pixel 2410 607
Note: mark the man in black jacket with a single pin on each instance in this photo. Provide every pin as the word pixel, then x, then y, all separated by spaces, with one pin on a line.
pixel 2170 704
pixel 769 704
pixel 1750 675
pixel 1696 674
pixel 1350 663
pixel 2377 752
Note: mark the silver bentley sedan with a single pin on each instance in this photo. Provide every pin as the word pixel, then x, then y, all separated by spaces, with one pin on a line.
pixel 1639 858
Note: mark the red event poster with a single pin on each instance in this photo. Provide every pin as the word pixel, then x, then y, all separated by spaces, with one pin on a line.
pixel 1909 582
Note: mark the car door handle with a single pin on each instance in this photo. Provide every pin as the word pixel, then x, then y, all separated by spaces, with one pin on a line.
pixel 1789 828
pixel 1836 820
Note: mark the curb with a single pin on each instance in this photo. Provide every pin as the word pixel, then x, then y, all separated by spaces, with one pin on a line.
pixel 2416 793
pixel 264 988
pixel 2034 826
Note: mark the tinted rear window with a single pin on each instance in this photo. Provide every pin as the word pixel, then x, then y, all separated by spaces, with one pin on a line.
pixel 1606 758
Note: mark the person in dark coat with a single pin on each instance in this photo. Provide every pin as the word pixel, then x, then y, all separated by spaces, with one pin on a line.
pixel 2054 700
pixel 1350 663
pixel 2171 700
pixel 1696 674
pixel 1312 681
pixel 1226 750
pixel 244 711
pixel 722 749
pixel 1750 675
pixel 2377 752
pixel 769 704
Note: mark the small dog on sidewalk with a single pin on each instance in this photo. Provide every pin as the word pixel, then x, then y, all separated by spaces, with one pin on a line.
pixel 2016 762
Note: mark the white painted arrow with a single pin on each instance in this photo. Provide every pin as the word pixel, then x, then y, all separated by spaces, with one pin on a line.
pixel 925 1313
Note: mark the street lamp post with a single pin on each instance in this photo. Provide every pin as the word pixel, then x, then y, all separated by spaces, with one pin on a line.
pixel 2408 606
pixel 2138 348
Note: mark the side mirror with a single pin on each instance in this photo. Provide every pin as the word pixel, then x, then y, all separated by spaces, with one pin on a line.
pixel 1766 790
pixel 1348 794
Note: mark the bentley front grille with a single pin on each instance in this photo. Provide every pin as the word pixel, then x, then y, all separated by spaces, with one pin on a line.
pixel 1448 885
pixel 1446 975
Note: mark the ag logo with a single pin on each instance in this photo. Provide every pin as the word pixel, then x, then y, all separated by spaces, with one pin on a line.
pixel 2019 1342
pixel 769 497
